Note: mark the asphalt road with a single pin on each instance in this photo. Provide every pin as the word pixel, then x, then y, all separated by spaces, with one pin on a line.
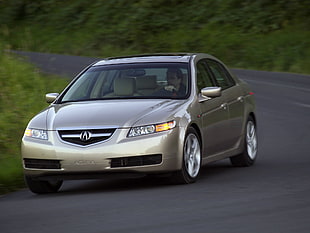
pixel 272 196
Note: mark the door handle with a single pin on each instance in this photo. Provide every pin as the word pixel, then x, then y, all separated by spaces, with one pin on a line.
pixel 224 106
pixel 240 98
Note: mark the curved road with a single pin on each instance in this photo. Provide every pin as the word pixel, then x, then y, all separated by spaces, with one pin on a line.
pixel 272 196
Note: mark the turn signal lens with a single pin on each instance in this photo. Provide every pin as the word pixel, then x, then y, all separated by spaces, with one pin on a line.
pixel 165 126
pixel 28 132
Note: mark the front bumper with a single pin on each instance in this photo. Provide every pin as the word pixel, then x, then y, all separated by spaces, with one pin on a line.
pixel 118 154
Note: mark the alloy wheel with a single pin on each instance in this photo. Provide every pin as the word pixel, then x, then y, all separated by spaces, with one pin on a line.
pixel 251 140
pixel 192 157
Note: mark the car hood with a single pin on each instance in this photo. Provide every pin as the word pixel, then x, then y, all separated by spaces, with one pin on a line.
pixel 117 113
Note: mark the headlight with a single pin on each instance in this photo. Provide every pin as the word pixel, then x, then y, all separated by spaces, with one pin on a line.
pixel 36 133
pixel 149 129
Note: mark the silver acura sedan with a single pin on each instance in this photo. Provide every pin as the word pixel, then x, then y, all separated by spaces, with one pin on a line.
pixel 146 114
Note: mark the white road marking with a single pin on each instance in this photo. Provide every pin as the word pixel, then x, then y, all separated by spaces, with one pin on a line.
pixel 277 85
pixel 303 105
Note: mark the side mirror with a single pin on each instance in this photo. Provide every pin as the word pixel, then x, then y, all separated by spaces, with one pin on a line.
pixel 50 97
pixel 211 92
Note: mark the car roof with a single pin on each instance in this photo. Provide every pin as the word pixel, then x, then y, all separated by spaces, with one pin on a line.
pixel 142 58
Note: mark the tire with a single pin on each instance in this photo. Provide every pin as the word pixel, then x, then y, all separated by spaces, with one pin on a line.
pixel 191 162
pixel 41 187
pixel 249 154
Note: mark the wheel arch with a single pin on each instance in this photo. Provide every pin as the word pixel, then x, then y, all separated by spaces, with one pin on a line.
pixel 252 115
pixel 196 127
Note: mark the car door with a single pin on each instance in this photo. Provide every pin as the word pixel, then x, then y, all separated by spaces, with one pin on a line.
pixel 232 94
pixel 214 114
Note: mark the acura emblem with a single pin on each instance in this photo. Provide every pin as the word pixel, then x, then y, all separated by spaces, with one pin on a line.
pixel 85 136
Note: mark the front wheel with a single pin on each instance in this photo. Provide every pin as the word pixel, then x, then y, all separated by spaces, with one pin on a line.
pixel 249 154
pixel 191 163
pixel 41 187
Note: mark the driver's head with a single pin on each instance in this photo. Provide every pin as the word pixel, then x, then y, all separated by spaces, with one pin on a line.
pixel 174 76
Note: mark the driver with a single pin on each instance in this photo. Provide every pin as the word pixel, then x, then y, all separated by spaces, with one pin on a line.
pixel 175 86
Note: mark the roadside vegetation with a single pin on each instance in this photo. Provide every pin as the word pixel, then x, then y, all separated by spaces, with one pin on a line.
pixel 22 95
pixel 262 35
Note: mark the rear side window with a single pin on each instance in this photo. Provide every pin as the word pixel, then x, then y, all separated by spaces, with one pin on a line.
pixel 220 74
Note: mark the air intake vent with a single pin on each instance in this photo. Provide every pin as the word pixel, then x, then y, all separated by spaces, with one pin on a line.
pixel 86 137
pixel 136 161
pixel 42 163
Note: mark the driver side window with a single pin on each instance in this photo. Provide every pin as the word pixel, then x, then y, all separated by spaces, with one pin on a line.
pixel 203 76
pixel 222 77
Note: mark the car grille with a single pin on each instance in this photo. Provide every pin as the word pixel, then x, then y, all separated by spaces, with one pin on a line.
pixel 136 161
pixel 86 137
pixel 42 163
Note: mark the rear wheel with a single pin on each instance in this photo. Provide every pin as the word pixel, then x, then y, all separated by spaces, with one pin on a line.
pixel 249 154
pixel 191 163
pixel 41 187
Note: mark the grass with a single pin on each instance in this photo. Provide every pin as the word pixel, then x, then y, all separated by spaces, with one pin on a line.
pixel 284 50
pixel 21 97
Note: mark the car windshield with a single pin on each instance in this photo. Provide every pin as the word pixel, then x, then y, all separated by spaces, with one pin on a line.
pixel 146 80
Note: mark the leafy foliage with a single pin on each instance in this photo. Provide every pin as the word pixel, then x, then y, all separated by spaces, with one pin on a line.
pixel 230 29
